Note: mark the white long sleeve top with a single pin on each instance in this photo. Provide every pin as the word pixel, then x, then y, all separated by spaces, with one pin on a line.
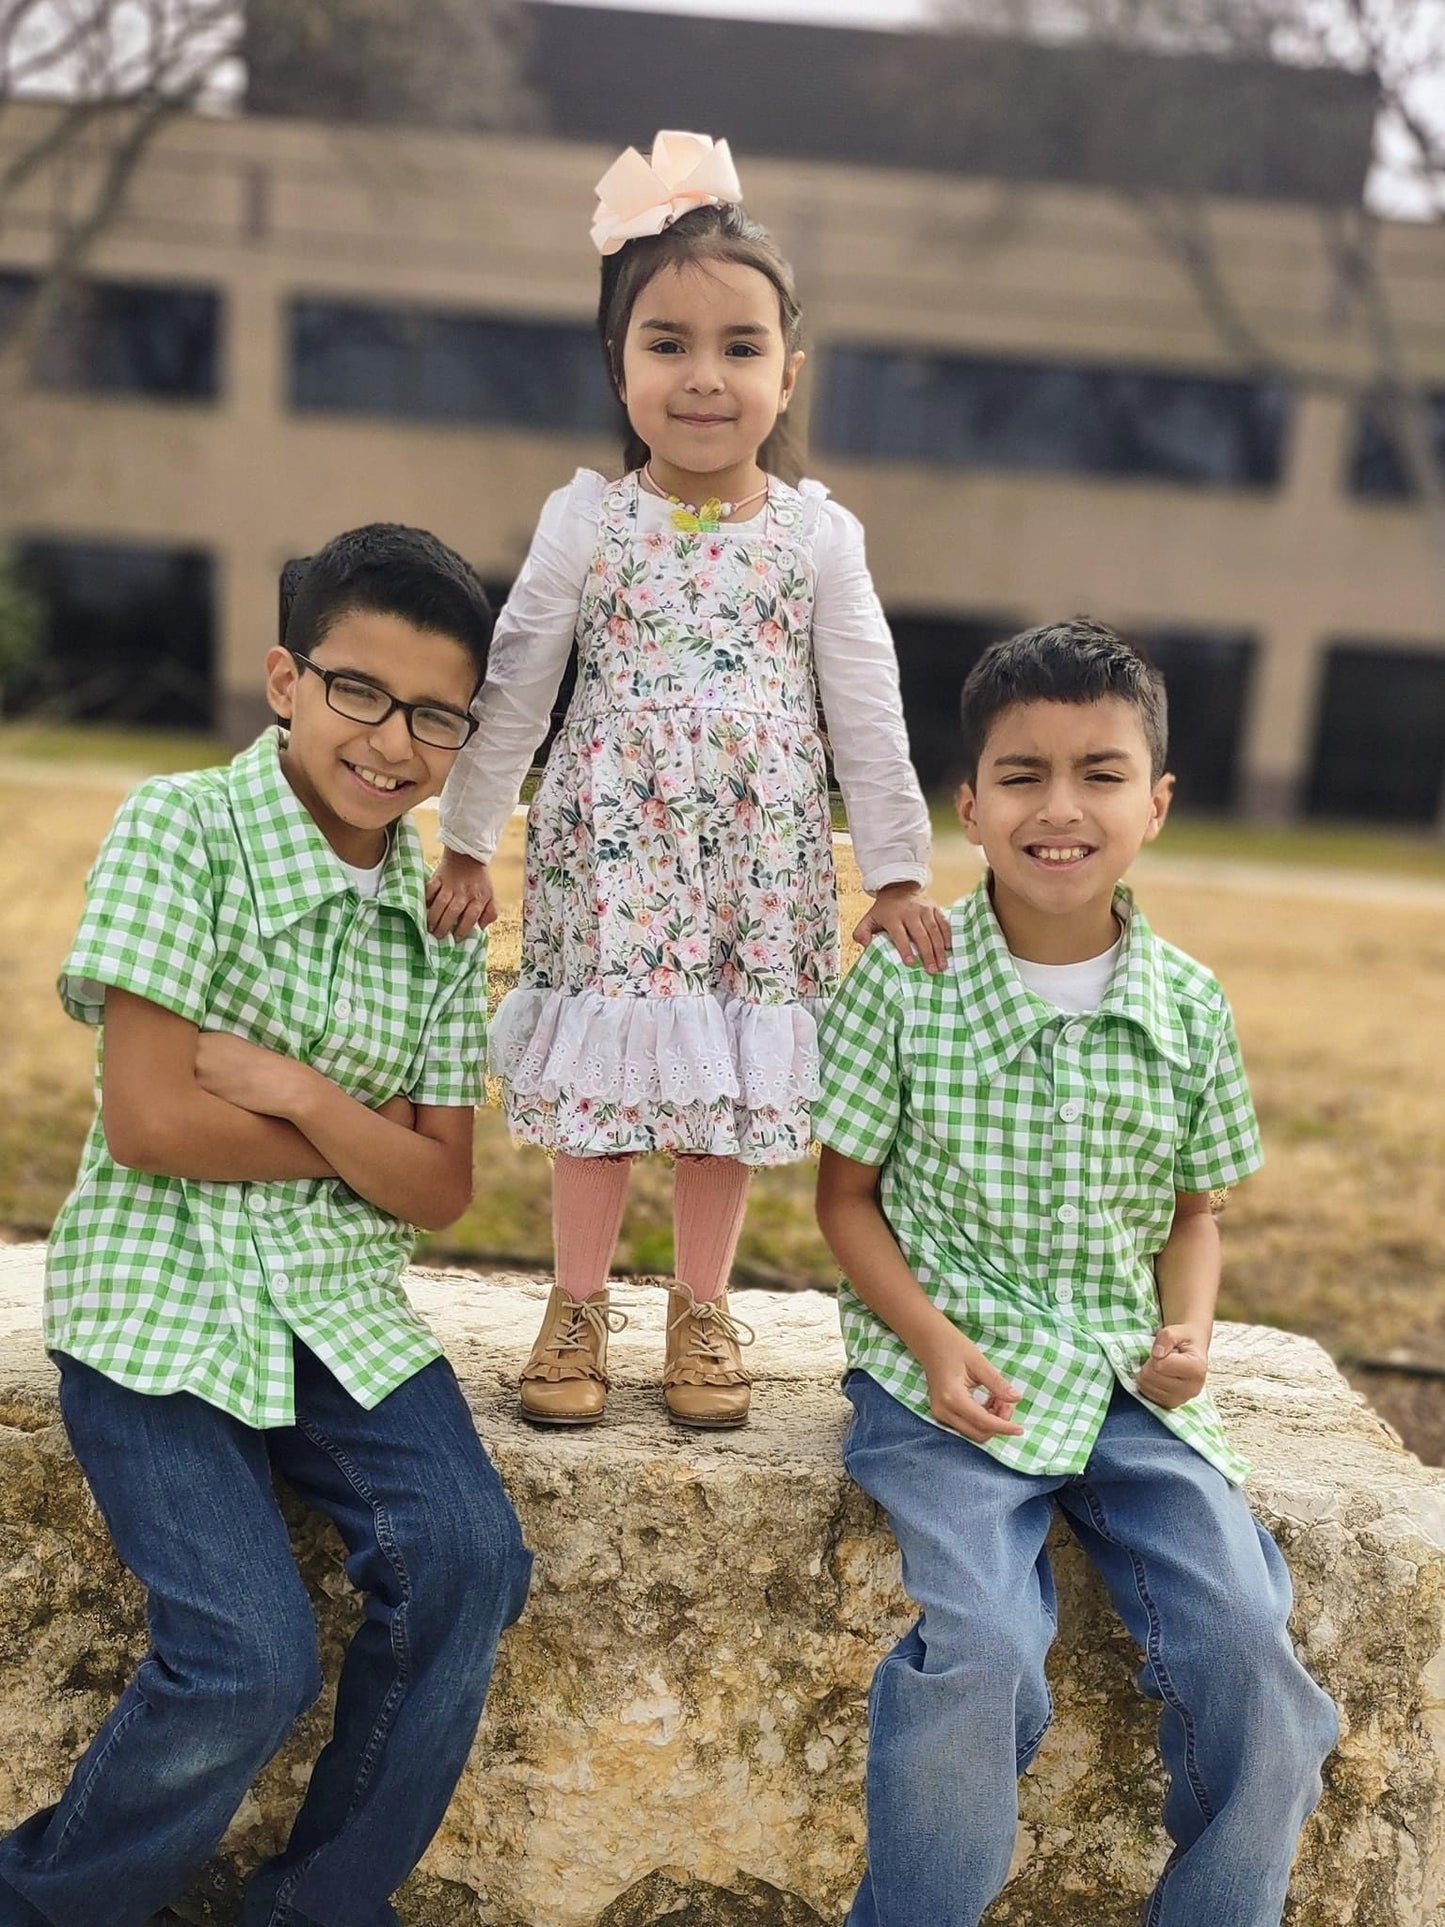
pixel 853 654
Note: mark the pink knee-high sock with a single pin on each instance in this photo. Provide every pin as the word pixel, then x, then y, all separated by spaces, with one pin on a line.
pixel 709 1198
pixel 588 1199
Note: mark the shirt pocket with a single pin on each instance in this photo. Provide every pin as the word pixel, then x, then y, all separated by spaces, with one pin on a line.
pixel 1137 1123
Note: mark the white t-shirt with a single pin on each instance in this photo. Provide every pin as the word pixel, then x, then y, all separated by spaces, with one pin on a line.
pixel 852 651
pixel 367 882
pixel 1075 987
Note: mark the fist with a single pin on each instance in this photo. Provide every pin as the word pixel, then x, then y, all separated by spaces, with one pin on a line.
pixel 1175 1370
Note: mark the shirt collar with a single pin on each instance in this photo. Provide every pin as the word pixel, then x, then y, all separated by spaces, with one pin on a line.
pixel 291 865
pixel 1008 1015
pixel 1139 989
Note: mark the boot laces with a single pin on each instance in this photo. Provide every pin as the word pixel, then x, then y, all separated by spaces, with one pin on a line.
pixel 585 1326
pixel 713 1327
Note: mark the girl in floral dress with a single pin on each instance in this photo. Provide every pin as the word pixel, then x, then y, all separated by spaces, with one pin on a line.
pixel 679 922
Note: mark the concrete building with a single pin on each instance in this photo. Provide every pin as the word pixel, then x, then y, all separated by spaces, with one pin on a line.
pixel 299 326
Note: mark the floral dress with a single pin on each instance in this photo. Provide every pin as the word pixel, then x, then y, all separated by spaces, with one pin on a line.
pixel 679 923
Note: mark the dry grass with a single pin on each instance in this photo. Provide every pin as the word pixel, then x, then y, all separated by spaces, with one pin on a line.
pixel 1339 1006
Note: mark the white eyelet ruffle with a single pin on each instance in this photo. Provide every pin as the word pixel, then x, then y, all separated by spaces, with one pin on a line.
pixel 561 1044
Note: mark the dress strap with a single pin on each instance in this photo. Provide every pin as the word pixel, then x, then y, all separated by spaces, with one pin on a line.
pixel 785 510
pixel 618 514
pixel 811 497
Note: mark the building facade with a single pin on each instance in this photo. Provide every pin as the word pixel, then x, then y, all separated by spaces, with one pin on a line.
pixel 297 327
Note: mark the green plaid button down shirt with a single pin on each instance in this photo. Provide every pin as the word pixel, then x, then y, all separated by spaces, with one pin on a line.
pixel 1030 1161
pixel 216 896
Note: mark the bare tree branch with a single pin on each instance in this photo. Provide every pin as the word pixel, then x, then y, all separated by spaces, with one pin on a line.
pixel 1180 227
pixel 1399 46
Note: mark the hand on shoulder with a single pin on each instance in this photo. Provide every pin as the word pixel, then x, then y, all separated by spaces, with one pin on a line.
pixel 918 927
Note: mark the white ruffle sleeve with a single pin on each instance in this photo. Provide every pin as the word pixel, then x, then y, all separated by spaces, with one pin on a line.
pixel 529 653
pixel 857 670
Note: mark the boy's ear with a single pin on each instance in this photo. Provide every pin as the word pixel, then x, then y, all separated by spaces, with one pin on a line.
pixel 281 678
pixel 966 803
pixel 1159 803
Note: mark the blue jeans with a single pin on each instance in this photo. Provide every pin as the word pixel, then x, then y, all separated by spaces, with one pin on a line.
pixel 958 1708
pixel 433 1544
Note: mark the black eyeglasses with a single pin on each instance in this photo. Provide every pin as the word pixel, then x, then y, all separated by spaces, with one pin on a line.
pixel 361 701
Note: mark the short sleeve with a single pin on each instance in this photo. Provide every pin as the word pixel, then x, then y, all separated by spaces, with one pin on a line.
pixel 1221 1144
pixel 861 1099
pixel 148 924
pixel 453 1068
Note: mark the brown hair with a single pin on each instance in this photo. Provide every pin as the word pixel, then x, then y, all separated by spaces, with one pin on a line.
pixel 703 234
pixel 1081 661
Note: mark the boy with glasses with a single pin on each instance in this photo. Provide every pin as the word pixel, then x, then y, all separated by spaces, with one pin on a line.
pixel 289 1068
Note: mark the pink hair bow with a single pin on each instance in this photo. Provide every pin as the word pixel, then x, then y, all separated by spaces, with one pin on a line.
pixel 637 197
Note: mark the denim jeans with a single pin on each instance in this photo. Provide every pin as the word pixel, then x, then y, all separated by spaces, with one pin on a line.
pixel 958 1708
pixel 432 1543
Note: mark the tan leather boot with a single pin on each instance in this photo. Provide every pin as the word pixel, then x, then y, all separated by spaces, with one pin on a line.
pixel 565 1380
pixel 703 1380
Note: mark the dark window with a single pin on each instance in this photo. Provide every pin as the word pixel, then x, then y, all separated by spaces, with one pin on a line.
pixel 129 636
pixel 1380 743
pixel 1207 673
pixel 1378 469
pixel 15 290
pixel 357 358
pixel 901 404
pixel 125 338
pixel 935 654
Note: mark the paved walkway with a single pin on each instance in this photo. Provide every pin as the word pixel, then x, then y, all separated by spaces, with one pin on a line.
pixel 1224 873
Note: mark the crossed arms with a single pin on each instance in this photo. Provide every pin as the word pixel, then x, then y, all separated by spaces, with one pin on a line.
pixel 184 1103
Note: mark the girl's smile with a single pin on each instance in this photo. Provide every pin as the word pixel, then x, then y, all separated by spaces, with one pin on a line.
pixel 705 375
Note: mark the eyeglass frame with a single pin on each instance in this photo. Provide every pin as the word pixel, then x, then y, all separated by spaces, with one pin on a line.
pixel 329 676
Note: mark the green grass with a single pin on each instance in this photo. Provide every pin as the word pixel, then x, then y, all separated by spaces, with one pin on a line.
pixel 1341 1235
pixel 150 752
pixel 1340 846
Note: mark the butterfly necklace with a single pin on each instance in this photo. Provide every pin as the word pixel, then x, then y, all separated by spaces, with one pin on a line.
pixel 694 517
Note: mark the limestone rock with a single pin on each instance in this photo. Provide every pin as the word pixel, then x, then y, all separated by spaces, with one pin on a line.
pixel 675 1733
pixel 672 1898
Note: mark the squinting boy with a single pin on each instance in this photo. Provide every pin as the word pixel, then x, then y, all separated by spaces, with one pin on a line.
pixel 1019 1156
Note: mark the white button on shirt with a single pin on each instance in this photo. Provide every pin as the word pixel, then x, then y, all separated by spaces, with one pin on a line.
pixel 1072 1111
pixel 1068 1214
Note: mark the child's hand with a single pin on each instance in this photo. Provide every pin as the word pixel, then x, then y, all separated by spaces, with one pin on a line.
pixel 957 1374
pixel 917 926
pixel 248 1075
pixel 1174 1372
pixel 460 898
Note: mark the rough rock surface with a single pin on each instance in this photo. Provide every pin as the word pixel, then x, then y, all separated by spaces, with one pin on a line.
pixel 676 1729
